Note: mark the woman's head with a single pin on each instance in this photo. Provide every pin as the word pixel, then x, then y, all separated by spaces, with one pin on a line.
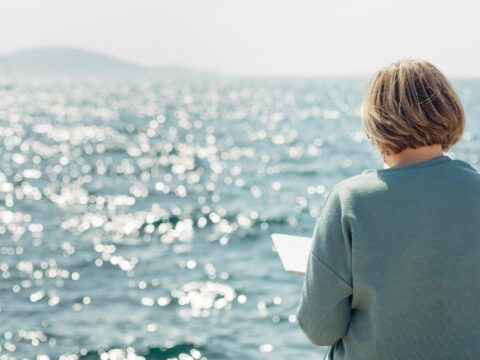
pixel 410 104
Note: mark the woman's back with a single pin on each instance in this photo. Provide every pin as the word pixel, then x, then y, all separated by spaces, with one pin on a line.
pixel 416 251
pixel 412 266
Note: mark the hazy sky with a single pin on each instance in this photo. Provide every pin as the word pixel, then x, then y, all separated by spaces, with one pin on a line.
pixel 255 37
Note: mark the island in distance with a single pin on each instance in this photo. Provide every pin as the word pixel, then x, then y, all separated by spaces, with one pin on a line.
pixel 70 61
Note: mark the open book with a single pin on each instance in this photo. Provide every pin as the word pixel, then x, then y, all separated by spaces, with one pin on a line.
pixel 293 252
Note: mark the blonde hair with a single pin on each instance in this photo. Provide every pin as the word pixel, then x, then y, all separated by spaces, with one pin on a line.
pixel 410 104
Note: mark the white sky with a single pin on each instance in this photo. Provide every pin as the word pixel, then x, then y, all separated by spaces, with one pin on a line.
pixel 255 37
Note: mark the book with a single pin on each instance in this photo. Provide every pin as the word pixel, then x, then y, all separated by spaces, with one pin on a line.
pixel 293 252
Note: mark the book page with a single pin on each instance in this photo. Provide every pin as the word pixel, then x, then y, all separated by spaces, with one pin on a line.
pixel 293 251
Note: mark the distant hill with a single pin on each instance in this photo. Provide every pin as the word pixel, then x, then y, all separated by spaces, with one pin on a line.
pixel 64 61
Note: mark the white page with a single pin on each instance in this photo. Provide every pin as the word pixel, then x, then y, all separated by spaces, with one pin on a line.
pixel 293 252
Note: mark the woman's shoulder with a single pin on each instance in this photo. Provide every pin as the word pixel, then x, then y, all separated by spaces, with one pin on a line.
pixel 464 164
pixel 360 185
pixel 369 182
pixel 366 179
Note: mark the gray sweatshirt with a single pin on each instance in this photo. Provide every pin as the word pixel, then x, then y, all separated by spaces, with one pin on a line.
pixel 394 269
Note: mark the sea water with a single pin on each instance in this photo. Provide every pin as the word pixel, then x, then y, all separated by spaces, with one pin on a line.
pixel 135 216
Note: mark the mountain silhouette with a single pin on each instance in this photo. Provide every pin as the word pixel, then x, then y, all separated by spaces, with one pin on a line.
pixel 65 60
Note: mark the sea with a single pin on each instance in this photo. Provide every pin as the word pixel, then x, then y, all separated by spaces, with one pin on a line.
pixel 135 215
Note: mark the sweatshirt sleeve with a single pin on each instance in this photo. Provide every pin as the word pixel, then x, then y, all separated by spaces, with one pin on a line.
pixel 324 309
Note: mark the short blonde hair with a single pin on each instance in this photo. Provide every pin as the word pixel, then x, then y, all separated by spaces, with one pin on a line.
pixel 410 104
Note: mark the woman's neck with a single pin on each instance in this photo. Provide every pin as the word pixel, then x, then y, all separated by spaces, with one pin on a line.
pixel 411 156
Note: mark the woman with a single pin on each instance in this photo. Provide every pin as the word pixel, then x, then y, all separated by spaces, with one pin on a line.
pixel 394 268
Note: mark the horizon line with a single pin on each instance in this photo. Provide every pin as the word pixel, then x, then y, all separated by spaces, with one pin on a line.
pixel 227 74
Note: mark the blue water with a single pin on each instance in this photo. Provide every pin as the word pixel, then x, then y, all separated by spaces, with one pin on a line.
pixel 135 217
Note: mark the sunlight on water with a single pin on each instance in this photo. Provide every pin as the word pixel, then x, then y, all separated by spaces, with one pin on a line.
pixel 135 216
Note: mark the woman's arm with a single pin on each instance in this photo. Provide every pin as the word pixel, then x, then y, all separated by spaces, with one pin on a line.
pixel 324 309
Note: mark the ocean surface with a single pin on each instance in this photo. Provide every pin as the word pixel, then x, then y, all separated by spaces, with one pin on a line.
pixel 135 216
